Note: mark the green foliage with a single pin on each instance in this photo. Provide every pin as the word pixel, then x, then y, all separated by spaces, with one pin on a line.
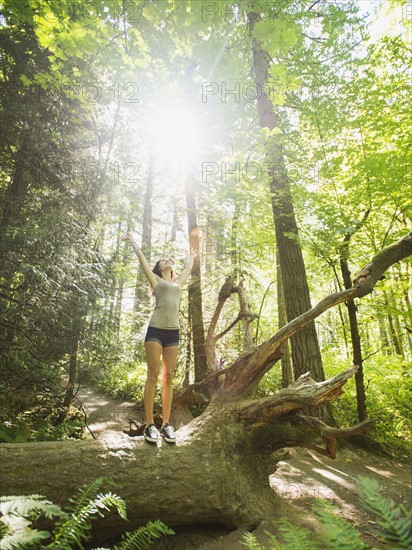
pixel 17 515
pixel 40 423
pixel 78 526
pixel 394 520
pixel 123 381
pixel 143 538
pixel 13 434
pixel 290 537
pixel 388 389
pixel 250 542
pixel 72 528
pixel 338 533
pixel 33 505
pixel 270 383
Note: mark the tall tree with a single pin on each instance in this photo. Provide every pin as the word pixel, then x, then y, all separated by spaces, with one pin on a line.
pixel 195 286
pixel 141 295
pixel 305 347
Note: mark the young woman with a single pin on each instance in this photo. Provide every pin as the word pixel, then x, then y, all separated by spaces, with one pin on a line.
pixel 162 337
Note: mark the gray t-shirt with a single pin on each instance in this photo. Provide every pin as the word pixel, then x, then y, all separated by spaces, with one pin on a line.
pixel 166 313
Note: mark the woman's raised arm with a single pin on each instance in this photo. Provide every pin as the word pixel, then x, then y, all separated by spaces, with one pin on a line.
pixel 152 277
pixel 188 268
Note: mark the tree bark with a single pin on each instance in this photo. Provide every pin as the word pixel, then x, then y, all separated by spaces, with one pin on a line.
pixel 304 344
pixel 395 335
pixel 73 368
pixel 354 332
pixel 234 249
pixel 141 299
pixel 14 195
pixel 285 361
pixel 195 286
pixel 246 316
pixel 119 292
pixel 226 291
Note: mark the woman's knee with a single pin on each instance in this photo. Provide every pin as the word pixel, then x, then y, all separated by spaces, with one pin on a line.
pixel 167 377
pixel 152 375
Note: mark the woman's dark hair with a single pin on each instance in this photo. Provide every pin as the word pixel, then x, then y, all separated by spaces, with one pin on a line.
pixel 157 271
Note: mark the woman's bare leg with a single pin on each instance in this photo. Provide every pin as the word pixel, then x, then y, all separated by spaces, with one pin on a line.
pixel 168 369
pixel 153 351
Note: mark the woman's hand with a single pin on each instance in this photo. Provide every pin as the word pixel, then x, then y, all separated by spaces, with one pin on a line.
pixel 193 253
pixel 128 237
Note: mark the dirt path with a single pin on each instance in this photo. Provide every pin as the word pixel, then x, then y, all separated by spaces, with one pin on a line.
pixel 302 477
pixel 107 418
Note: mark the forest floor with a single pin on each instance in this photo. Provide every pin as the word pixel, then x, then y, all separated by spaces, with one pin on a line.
pixel 301 477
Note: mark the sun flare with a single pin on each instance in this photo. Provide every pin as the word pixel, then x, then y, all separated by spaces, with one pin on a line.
pixel 176 133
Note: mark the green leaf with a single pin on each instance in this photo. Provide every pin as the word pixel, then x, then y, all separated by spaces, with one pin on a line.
pixel 143 538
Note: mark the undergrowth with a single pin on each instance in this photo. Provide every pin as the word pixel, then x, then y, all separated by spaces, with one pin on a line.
pixel 394 526
pixel 71 528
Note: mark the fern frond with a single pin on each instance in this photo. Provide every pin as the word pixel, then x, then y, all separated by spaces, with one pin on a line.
pixel 85 494
pixel 77 528
pixel 338 533
pixel 143 538
pixel 4 529
pixel 31 505
pixel 23 539
pixel 294 537
pixel 395 520
pixel 250 543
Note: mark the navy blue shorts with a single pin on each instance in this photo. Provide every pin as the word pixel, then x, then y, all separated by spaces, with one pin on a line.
pixel 163 336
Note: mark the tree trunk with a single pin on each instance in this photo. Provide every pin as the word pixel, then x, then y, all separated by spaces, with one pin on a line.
pixel 408 316
pixel 141 300
pixel 285 361
pixel 383 335
pixel 398 327
pixel 186 380
pixel 73 369
pixel 305 347
pixel 228 486
pixel 119 292
pixel 225 292
pixel 395 336
pixel 195 286
pixel 355 337
pixel 234 249
pixel 246 317
pixel 73 373
pixel 14 196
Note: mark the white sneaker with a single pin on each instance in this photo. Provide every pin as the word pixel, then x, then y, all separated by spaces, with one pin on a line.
pixel 151 433
pixel 168 433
